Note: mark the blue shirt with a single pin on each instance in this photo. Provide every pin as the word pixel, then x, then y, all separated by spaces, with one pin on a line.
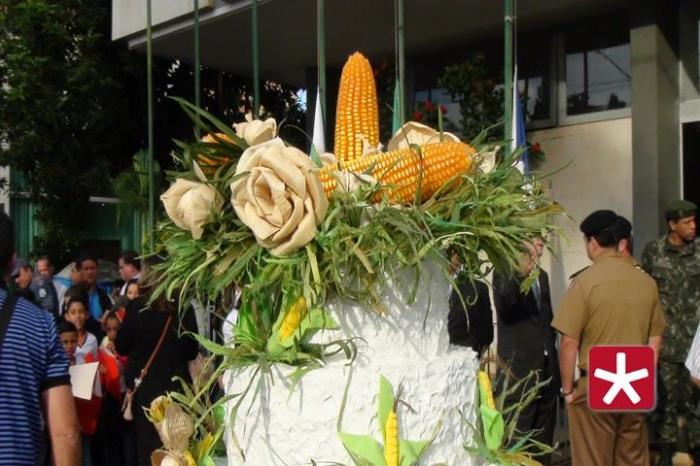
pixel 31 361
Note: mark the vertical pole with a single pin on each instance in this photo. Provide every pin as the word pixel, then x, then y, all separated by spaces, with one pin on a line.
pixel 256 62
pixel 401 62
pixel 321 40
pixel 197 83
pixel 508 71
pixel 149 98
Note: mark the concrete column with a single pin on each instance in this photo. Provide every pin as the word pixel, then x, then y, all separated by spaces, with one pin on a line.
pixel 656 158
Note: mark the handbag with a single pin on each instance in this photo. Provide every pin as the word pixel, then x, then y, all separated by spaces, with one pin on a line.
pixel 127 411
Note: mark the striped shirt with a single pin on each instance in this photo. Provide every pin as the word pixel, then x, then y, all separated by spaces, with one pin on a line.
pixel 692 361
pixel 31 361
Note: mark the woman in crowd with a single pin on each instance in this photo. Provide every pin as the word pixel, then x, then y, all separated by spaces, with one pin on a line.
pixel 138 338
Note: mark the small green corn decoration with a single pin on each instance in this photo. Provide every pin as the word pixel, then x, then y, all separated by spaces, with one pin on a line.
pixel 295 314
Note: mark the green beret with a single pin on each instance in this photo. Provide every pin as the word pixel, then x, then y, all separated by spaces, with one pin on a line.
pixel 597 221
pixel 680 209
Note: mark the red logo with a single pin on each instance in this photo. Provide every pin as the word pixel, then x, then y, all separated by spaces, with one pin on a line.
pixel 621 378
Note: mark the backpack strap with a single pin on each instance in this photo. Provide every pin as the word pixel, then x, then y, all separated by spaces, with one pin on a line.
pixel 8 308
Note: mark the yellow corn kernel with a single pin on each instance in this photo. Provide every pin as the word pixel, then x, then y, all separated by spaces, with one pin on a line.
pixel 485 383
pixel 295 314
pixel 391 440
pixel 357 113
pixel 400 170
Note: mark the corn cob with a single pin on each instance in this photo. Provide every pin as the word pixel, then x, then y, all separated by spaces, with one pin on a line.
pixel 485 383
pixel 400 169
pixel 357 113
pixel 210 162
pixel 295 314
pixel 391 440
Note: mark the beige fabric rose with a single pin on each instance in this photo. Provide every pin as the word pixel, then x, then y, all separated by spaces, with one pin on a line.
pixel 256 131
pixel 191 205
pixel 417 133
pixel 282 199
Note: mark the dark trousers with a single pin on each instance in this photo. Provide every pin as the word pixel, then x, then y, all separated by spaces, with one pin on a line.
pixel 540 415
pixel 147 439
pixel 108 442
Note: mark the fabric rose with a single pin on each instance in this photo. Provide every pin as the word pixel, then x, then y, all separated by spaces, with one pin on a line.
pixel 256 131
pixel 191 205
pixel 281 199
pixel 417 133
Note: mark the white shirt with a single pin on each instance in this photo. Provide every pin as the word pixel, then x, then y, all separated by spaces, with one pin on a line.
pixel 89 347
pixel 692 362
pixel 122 292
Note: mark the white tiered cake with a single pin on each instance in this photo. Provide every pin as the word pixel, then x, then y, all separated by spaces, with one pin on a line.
pixel 287 424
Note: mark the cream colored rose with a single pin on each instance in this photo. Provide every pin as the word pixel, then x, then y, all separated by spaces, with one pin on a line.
pixel 191 205
pixel 417 133
pixel 282 199
pixel 256 131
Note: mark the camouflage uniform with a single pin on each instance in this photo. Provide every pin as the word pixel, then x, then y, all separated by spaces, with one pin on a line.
pixel 677 274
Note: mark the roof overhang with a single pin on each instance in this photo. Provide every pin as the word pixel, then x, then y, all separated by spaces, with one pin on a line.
pixel 287 30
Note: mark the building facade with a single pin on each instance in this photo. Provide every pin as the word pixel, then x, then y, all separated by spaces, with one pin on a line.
pixel 612 86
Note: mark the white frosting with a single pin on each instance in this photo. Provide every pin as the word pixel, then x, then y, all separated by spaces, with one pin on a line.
pixel 282 424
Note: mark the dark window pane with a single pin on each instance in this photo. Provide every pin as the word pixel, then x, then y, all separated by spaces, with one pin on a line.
pixel 598 68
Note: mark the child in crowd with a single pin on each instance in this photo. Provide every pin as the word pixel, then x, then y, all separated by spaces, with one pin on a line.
pixel 132 290
pixel 108 448
pixel 68 335
pixel 84 350
pixel 77 314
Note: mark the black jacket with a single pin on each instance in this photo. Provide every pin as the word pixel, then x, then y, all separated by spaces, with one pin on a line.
pixel 137 338
pixel 524 328
pixel 470 321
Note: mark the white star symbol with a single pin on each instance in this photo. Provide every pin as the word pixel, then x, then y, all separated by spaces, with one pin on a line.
pixel 621 380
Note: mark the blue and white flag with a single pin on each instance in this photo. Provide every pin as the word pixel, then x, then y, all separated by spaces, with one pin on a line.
pixel 318 139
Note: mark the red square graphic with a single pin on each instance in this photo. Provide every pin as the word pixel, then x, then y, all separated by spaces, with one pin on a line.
pixel 621 378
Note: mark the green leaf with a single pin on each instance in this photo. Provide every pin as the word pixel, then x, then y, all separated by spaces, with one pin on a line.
pixel 364 447
pixel 207 461
pixel 410 451
pixel 385 403
pixel 493 425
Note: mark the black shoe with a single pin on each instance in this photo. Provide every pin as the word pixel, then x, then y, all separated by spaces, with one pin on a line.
pixel 666 452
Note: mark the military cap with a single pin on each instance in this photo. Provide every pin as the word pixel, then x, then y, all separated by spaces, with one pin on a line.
pixel 622 227
pixel 680 209
pixel 597 221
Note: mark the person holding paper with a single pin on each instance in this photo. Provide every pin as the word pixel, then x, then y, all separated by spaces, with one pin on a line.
pixel 77 314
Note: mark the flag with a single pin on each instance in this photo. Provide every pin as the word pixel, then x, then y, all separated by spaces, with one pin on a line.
pixel 318 141
pixel 518 128
pixel 396 118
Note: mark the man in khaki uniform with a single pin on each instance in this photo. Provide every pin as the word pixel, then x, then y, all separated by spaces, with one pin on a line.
pixel 610 303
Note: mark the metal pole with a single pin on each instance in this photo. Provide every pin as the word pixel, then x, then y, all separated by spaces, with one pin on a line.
pixel 197 84
pixel 256 63
pixel 149 98
pixel 321 39
pixel 508 71
pixel 197 100
pixel 402 65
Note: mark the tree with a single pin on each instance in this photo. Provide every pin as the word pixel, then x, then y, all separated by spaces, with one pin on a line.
pixel 64 111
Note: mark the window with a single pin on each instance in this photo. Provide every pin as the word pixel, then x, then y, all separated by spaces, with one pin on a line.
pixel 597 66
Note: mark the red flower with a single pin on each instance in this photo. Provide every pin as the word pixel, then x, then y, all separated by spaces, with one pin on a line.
pixel 536 148
pixel 417 116
pixel 429 106
pixel 443 109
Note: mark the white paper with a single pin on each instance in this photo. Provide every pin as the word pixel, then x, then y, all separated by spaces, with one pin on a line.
pixel 82 379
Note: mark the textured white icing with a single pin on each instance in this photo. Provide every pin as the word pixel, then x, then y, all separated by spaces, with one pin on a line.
pixel 292 425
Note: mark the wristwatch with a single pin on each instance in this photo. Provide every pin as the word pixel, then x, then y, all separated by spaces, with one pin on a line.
pixel 562 393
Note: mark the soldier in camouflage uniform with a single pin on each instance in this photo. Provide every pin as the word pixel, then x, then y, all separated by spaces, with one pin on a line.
pixel 674 262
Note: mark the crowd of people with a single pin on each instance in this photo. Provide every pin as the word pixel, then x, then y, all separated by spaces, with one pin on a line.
pixel 139 347
pixel 614 301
